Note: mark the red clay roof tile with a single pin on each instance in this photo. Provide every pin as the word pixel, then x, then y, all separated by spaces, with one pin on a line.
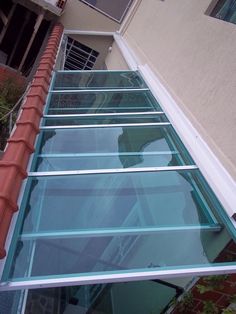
pixel 15 159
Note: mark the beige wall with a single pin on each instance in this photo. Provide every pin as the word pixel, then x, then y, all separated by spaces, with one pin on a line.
pixel 115 60
pixel 194 55
pixel 80 16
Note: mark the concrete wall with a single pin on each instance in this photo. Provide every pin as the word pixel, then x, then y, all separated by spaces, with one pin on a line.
pixel 80 16
pixel 115 60
pixel 194 55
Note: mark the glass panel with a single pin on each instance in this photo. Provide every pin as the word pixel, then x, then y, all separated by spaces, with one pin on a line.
pixel 105 120
pixel 85 162
pixel 98 80
pixel 109 254
pixel 120 298
pixel 133 200
pixel 102 102
pixel 225 10
pixel 117 147
pixel 10 301
pixel 120 222
pixel 75 225
pixel 114 9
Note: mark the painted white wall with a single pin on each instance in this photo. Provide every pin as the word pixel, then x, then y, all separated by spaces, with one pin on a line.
pixel 194 55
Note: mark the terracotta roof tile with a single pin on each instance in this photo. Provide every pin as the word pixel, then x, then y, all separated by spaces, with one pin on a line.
pixel 21 144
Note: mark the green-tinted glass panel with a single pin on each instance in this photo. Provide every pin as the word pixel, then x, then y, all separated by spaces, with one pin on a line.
pixel 101 201
pixel 85 162
pixel 10 301
pixel 42 258
pixel 131 119
pixel 113 223
pixel 120 298
pixel 101 102
pixel 225 10
pixel 97 80
pixel 116 147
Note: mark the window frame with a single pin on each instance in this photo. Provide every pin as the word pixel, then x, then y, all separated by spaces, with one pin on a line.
pixel 107 14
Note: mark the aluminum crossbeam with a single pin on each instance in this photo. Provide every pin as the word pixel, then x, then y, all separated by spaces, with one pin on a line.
pixel 110 171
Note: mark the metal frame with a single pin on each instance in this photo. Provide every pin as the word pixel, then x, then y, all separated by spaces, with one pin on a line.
pixel 87 33
pixel 116 232
pixel 96 90
pixel 69 64
pixel 68 155
pixel 100 109
pixel 118 276
pixel 89 126
pixel 109 171
pixel 153 113
pixel 94 71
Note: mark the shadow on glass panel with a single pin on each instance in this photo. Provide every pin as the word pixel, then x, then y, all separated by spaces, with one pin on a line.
pixel 102 102
pixel 98 80
pixel 107 148
pixel 126 298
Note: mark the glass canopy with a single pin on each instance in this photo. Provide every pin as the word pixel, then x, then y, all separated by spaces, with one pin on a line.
pixel 153 296
pixel 108 101
pixel 77 80
pixel 113 194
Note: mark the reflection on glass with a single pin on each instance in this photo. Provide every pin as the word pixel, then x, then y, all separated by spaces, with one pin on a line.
pixel 10 301
pixel 98 80
pixel 102 254
pixel 131 119
pixel 125 298
pixel 90 224
pixel 102 102
pixel 115 201
pixel 117 147
pixel 114 9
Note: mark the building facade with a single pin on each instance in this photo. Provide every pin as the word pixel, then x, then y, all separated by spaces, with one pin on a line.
pixel 128 201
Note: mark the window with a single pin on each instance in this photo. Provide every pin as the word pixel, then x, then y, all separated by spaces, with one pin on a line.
pixel 225 10
pixel 79 56
pixel 116 10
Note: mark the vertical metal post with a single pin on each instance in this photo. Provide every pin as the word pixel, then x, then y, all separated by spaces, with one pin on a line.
pixel 20 33
pixel 4 30
pixel 10 123
pixel 36 28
